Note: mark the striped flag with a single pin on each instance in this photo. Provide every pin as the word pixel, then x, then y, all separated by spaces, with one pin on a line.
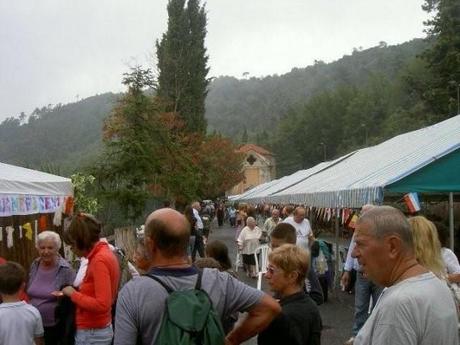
pixel 412 202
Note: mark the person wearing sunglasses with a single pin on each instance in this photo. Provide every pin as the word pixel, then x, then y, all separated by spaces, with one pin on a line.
pixel 284 233
pixel 299 322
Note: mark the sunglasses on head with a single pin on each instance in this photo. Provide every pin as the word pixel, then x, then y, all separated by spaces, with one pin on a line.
pixel 87 216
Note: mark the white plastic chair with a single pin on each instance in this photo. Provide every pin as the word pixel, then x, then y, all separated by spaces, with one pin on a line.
pixel 261 265
pixel 238 260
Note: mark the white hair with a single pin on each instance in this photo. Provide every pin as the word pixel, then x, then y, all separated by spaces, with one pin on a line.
pixel 49 235
pixel 251 219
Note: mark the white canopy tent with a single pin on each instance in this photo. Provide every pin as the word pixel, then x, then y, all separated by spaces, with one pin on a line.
pixel 362 176
pixel 264 194
pixel 26 191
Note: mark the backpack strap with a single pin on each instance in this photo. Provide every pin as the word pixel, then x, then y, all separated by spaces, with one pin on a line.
pixel 165 286
pixel 198 280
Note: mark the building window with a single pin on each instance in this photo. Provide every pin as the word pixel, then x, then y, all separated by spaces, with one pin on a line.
pixel 251 159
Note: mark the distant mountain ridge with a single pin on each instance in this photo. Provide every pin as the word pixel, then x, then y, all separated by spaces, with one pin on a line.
pixel 233 104
pixel 65 137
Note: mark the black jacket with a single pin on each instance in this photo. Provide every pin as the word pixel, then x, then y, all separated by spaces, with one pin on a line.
pixel 298 324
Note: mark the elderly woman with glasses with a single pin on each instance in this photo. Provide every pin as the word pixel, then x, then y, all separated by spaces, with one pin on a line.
pixel 99 287
pixel 48 273
pixel 299 322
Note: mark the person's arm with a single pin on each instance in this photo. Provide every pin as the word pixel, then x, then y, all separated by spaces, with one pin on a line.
pixel 241 238
pixel 126 328
pixel 452 265
pixel 346 276
pixel 258 318
pixel 454 277
pixel 102 301
pixel 38 330
pixel 69 276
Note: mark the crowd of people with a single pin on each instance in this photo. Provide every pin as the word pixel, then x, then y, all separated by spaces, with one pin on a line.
pixel 404 291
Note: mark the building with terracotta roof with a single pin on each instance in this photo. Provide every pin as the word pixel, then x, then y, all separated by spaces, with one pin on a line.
pixel 259 167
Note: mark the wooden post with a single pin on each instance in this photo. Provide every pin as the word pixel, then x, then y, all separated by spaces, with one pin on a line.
pixel 125 238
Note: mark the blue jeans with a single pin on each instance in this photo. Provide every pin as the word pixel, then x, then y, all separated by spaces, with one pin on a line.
pixel 94 336
pixel 364 289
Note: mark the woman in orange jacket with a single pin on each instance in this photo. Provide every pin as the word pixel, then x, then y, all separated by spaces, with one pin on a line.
pixel 99 287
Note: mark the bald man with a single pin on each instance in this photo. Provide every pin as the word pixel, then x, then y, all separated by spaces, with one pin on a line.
pixel 302 228
pixel 141 302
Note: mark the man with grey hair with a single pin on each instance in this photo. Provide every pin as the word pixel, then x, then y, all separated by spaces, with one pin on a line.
pixel 416 307
pixel 270 224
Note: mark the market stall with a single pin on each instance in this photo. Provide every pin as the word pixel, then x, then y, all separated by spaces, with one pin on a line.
pixel 30 201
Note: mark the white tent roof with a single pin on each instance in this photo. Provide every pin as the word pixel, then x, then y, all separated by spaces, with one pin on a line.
pixel 21 181
pixel 361 177
pixel 256 189
pixel 25 191
pixel 263 194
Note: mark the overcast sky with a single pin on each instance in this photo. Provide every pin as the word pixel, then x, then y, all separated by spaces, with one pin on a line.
pixel 54 50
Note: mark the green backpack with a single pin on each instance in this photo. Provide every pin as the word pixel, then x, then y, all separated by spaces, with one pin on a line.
pixel 189 318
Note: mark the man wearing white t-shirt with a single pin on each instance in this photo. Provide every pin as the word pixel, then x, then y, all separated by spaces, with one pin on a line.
pixel 302 227
pixel 416 308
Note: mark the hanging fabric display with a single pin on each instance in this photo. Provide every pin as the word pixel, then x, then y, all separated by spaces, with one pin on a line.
pixel 57 219
pixel 69 206
pixel 353 221
pixel 9 236
pixel 28 204
pixel 28 228
pixel 42 223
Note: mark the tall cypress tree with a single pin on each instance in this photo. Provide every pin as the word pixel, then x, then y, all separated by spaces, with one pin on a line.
pixel 444 56
pixel 182 63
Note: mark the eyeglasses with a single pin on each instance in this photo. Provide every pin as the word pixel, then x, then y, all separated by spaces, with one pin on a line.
pixel 272 270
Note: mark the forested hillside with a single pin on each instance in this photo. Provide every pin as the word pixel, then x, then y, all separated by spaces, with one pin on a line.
pixel 56 138
pixel 257 104
pixel 304 116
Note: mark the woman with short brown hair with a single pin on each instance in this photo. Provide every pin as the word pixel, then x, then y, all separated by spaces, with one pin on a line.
pixel 99 287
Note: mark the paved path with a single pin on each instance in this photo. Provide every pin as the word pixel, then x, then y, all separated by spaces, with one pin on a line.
pixel 337 313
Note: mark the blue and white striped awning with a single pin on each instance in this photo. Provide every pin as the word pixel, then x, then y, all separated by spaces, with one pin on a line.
pixel 360 178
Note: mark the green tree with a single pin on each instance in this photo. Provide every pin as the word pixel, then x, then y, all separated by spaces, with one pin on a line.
pixel 131 139
pixel 443 56
pixel 182 63
pixel 84 201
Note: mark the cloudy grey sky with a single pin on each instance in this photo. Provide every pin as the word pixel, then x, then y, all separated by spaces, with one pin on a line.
pixel 54 50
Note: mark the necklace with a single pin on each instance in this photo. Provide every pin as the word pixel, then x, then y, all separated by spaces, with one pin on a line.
pixel 405 271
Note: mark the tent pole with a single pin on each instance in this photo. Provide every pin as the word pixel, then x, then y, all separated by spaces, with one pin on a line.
pixel 337 257
pixel 451 220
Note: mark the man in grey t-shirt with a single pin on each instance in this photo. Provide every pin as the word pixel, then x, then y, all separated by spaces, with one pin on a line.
pixel 417 308
pixel 141 302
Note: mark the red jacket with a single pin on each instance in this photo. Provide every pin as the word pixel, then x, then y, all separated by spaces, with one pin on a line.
pixel 98 290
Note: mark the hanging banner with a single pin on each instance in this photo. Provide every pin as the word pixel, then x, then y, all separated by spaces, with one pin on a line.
pixel 18 205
